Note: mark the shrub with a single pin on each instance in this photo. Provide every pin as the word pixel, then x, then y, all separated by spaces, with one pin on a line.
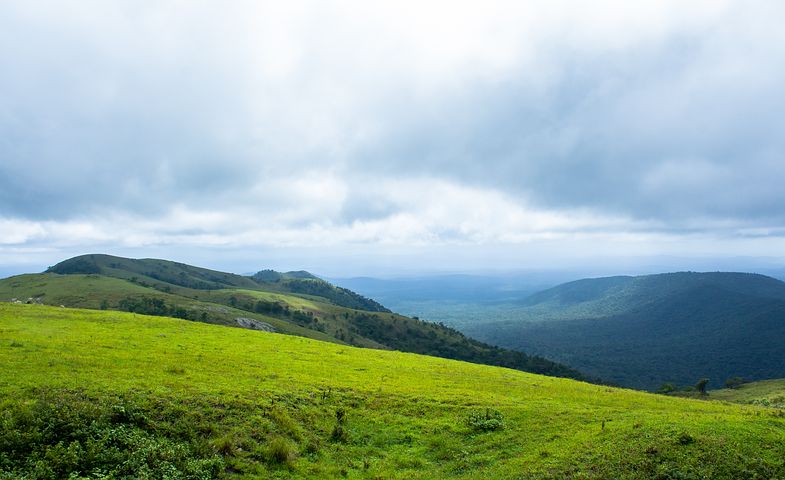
pixel 339 434
pixel 666 388
pixel 280 451
pixel 701 385
pixel 684 438
pixel 486 421
pixel 734 382
pixel 64 434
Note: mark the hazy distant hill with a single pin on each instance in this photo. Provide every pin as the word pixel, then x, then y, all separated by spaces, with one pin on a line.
pixel 644 331
pixel 296 303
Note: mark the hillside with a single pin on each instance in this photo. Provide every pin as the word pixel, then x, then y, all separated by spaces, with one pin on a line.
pixel 165 273
pixel 764 392
pixel 111 394
pixel 644 331
pixel 294 303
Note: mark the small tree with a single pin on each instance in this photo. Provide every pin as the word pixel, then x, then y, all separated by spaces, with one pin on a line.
pixel 734 382
pixel 666 388
pixel 701 385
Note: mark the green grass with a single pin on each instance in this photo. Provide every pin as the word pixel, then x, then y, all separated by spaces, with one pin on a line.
pixel 93 291
pixel 130 393
pixel 305 315
pixel 764 392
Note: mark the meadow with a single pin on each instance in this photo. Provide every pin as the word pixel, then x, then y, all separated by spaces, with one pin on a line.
pixel 105 394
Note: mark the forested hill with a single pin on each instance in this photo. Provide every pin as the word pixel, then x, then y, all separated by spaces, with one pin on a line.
pixel 644 331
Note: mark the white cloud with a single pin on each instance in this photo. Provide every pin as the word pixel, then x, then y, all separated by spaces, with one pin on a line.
pixel 394 124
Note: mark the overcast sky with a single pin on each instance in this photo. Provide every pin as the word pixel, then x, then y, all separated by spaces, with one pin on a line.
pixel 375 137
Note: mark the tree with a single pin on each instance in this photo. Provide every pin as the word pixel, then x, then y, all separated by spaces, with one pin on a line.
pixel 734 382
pixel 666 388
pixel 701 385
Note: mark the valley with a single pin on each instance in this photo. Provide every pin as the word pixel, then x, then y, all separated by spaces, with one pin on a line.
pixel 638 332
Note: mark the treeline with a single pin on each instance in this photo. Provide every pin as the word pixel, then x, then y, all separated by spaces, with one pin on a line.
pixel 701 386
pixel 436 339
pixel 340 296
pixel 275 309
pixel 157 307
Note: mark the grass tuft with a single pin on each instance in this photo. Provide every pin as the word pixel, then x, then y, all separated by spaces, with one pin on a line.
pixel 280 452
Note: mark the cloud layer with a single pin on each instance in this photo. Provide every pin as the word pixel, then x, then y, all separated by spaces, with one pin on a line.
pixel 302 124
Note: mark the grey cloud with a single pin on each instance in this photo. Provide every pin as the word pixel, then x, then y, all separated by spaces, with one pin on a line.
pixel 684 129
pixel 119 108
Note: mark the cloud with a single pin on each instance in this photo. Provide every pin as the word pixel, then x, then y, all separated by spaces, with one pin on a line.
pixel 392 123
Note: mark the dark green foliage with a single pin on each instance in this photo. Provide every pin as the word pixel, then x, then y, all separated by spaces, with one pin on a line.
pixel 269 308
pixel 485 421
pixel 666 388
pixel 273 276
pixel 417 336
pixel 83 265
pixel 147 269
pixel 684 438
pixel 337 295
pixel 734 382
pixel 339 432
pixel 267 276
pixel 152 306
pixel 701 385
pixel 64 434
pixel 641 332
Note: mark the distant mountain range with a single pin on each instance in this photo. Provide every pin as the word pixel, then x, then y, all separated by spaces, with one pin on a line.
pixel 296 303
pixel 644 331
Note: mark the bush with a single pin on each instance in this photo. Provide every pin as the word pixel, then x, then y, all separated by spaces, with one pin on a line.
pixel 666 388
pixel 684 438
pixel 486 421
pixel 280 451
pixel 734 382
pixel 64 434
pixel 701 385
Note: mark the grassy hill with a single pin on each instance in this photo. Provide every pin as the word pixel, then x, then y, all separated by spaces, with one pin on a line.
pixel 644 331
pixel 164 274
pixel 294 303
pixel 764 392
pixel 104 394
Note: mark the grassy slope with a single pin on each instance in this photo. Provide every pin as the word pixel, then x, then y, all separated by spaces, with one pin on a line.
pixel 89 291
pixel 310 316
pixel 168 274
pixel 239 392
pixel 765 392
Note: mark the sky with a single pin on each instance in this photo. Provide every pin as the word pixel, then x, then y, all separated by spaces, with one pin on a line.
pixel 374 138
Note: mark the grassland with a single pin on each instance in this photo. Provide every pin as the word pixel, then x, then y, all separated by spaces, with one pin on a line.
pixel 106 394
pixel 764 392
pixel 293 304
pixel 98 291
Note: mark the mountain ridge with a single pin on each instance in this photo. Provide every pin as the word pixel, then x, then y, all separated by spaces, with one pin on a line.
pixel 297 305
pixel 644 331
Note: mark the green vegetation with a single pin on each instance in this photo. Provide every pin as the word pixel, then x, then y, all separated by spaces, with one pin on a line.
pixel 642 332
pixel 293 303
pixel 770 393
pixel 104 394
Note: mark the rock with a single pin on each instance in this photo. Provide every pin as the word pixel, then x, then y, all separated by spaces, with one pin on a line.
pixel 254 324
